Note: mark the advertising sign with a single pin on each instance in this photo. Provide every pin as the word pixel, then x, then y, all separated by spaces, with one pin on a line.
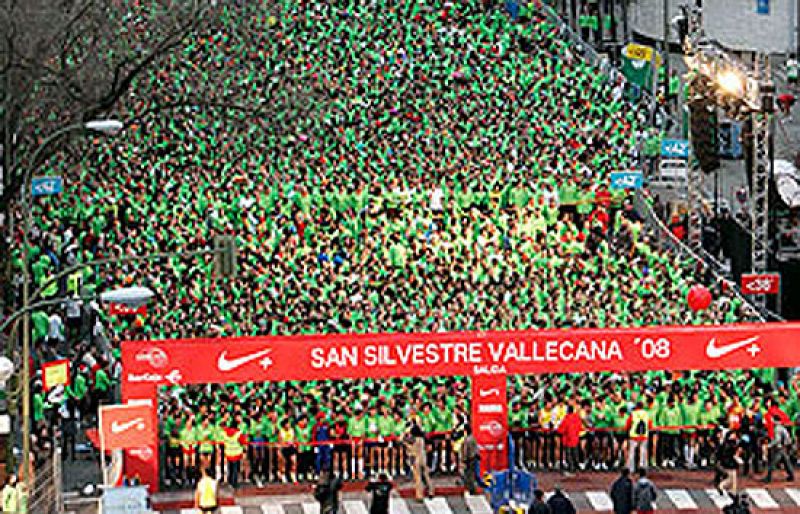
pixel 487 357
pixel 765 283
pixel 126 426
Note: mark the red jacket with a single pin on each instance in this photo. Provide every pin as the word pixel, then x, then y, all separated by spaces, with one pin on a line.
pixel 570 430
pixel 774 410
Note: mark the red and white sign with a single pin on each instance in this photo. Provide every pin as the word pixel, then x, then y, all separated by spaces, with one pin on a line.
pixel 126 426
pixel 487 357
pixel 120 309
pixel 766 283
pixel 489 415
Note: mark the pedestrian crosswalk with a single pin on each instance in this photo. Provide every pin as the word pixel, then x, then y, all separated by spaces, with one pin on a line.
pixel 675 500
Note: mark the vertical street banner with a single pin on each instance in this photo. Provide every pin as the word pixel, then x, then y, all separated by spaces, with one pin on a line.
pixel 489 419
pixel 126 426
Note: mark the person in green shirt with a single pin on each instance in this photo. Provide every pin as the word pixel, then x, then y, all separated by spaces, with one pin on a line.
pixel 669 418
pixel 372 445
pixel 305 452
pixel 691 407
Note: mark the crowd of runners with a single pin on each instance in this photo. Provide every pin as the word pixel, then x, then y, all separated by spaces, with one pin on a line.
pixel 428 167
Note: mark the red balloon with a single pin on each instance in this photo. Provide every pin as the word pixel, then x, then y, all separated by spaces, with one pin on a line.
pixel 699 298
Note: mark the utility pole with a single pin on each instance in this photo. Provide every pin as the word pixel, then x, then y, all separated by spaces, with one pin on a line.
pixel 665 48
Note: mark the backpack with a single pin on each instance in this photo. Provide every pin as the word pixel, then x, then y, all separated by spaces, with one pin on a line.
pixel 640 428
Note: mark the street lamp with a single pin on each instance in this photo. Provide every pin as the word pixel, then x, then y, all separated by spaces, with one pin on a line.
pixel 104 126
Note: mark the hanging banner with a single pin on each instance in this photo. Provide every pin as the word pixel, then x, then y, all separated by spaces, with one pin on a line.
pixel 55 373
pixel 198 361
pixel 489 419
pixel 764 283
pixel 487 357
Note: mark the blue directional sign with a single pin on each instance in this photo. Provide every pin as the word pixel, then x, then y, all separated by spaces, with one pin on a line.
pixel 675 148
pixel 627 180
pixel 42 186
pixel 762 6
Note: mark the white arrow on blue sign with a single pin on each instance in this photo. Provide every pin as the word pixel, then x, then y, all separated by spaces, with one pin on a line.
pixel 675 148
pixel 627 180
pixel 43 186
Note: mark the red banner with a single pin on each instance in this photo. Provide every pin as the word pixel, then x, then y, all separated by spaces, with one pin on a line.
pixel 120 309
pixel 457 353
pixel 489 419
pixel 486 356
pixel 766 283
pixel 126 426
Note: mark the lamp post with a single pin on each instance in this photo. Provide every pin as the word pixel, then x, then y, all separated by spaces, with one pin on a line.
pixel 109 127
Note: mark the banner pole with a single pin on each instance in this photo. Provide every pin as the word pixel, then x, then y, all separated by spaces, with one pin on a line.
pixel 102 445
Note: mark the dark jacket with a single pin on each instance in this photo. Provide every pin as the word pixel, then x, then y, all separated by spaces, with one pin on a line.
pixel 560 504
pixel 380 497
pixel 539 507
pixel 622 495
pixel 327 494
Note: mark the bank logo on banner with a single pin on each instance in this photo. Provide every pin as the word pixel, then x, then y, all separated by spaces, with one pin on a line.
pixel 154 356
pixel 126 426
pixel 715 351
pixel 226 363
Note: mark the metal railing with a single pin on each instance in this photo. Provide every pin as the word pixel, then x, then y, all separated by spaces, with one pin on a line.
pixel 708 262
pixel 45 498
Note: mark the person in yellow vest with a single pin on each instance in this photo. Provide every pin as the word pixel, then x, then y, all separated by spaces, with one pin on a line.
pixel 205 496
pixel 234 442
pixel 10 495
pixel 287 439
pixel 638 427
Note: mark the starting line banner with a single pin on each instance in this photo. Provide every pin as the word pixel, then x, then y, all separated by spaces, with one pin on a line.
pixel 486 356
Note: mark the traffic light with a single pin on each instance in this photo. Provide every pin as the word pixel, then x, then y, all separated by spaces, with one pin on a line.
pixel 704 133
pixel 225 256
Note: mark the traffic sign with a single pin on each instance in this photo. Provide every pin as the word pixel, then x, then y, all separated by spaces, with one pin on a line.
pixel 627 180
pixel 761 283
pixel 44 186
pixel 675 148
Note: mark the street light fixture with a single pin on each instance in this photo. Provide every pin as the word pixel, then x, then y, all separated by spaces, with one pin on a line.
pixel 130 296
pixel 731 82
pixel 103 126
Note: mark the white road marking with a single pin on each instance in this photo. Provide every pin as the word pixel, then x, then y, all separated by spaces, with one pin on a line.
pixel 681 499
pixel 794 494
pixel 600 500
pixel 398 505
pixel 761 498
pixel 438 506
pixel 354 507
pixel 310 508
pixel 477 504
pixel 720 500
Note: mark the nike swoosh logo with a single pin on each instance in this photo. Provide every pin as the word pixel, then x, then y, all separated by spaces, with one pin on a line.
pixel 116 427
pixel 715 351
pixel 224 364
pixel 483 393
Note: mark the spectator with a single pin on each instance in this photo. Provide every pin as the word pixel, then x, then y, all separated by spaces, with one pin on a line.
pixel 622 493
pixel 326 492
pixel 644 494
pixel 538 505
pixel 559 503
pixel 779 448
pixel 381 494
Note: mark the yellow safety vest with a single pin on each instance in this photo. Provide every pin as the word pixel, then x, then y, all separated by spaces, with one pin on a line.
pixel 637 417
pixel 10 498
pixel 208 492
pixel 74 282
pixel 233 448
